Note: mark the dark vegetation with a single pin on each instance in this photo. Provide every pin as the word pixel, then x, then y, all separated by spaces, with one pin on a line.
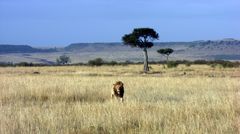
pixel 63 59
pixel 96 62
pixel 172 64
pixel 100 62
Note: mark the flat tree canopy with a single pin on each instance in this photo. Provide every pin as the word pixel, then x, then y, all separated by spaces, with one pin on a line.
pixel 140 37
pixel 166 51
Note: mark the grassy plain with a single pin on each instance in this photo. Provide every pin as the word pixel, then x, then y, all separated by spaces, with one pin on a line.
pixel 76 99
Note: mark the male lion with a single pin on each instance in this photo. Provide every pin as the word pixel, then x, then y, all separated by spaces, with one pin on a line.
pixel 118 90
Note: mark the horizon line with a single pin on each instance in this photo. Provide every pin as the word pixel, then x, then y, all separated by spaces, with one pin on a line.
pixel 107 42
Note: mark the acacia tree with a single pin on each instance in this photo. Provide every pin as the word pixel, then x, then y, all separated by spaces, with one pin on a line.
pixel 141 38
pixel 63 59
pixel 165 52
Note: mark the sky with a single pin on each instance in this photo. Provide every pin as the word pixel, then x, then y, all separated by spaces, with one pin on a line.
pixel 62 22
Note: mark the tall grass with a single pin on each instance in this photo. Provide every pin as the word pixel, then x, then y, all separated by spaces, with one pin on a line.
pixel 73 100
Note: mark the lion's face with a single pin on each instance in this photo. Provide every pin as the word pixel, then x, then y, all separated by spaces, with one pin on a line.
pixel 118 88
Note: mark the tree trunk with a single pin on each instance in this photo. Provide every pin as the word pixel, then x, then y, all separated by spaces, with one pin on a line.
pixel 145 69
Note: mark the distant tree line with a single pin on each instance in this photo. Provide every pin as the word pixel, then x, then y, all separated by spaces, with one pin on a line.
pixel 101 62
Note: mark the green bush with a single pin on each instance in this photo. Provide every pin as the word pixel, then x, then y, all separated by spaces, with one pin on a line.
pixel 188 64
pixel 213 65
pixel 112 63
pixel 224 64
pixel 172 64
pixel 24 64
pixel 229 65
pixel 96 62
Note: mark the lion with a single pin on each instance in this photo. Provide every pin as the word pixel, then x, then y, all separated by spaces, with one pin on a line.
pixel 118 91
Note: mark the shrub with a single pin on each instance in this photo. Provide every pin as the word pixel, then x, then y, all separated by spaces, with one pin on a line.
pixel 200 62
pixel 6 64
pixel 188 64
pixel 224 64
pixel 96 62
pixel 112 63
pixel 229 65
pixel 172 64
pixel 24 64
pixel 63 59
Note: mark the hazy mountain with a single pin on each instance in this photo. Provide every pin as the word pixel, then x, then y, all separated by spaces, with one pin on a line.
pixel 226 49
pixel 5 48
pixel 95 47
pixel 218 45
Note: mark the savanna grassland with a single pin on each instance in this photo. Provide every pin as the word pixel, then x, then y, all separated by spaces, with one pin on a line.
pixel 76 99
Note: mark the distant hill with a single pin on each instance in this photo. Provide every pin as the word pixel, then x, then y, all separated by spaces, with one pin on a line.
pixel 5 48
pixel 229 46
pixel 218 45
pixel 94 47
pixel 225 49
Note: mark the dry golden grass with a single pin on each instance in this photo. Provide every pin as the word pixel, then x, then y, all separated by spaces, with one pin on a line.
pixel 77 100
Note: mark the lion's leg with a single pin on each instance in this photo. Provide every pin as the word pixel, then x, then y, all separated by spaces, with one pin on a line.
pixel 112 95
pixel 121 99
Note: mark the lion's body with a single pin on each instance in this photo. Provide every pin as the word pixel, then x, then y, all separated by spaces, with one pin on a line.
pixel 118 90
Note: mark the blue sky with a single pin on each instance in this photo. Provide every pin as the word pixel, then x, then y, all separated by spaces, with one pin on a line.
pixel 61 22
